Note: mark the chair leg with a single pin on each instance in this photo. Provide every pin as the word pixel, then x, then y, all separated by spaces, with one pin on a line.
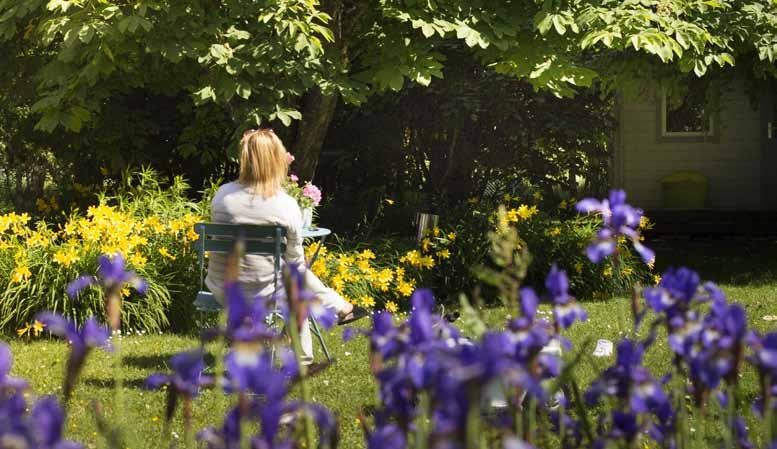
pixel 317 332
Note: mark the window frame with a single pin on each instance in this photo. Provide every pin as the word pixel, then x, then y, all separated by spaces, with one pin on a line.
pixel 664 136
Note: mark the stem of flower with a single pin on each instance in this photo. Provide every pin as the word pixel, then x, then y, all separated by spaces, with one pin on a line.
pixel 532 417
pixel 767 408
pixel 422 423
pixel 114 319
pixel 682 412
pixel 303 371
pixel 187 422
pixel 518 413
pixel 473 421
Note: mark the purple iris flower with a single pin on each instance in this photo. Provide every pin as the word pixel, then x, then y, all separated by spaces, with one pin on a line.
pixel 740 434
pixel 624 425
pixel 619 219
pixel 253 371
pixel 631 383
pixel 421 321
pixel 720 344
pixel 48 419
pixel 764 358
pixel 185 380
pixel 304 302
pixel 387 437
pixel 673 298
pixel 677 290
pixel 41 429
pixel 7 382
pixel 385 338
pixel 247 321
pixel 227 437
pixel 91 335
pixel 566 311
pixel 111 274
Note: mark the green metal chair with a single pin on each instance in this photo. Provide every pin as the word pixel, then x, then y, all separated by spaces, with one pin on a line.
pixel 258 240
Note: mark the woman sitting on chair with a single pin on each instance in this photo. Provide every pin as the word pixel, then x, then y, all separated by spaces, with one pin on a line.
pixel 257 197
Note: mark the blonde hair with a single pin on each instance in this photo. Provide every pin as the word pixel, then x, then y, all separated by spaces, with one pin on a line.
pixel 263 162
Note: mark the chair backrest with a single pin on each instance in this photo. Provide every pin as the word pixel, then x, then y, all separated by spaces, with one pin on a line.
pixel 221 238
pixel 257 239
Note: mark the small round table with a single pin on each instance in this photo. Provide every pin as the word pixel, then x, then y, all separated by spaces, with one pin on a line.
pixel 316 233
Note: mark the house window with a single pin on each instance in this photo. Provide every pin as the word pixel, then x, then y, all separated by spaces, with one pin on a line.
pixel 687 117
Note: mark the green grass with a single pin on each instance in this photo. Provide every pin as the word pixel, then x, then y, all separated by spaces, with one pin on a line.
pixel 747 272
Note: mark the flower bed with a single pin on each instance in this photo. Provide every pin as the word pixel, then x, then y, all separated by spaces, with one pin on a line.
pixel 496 388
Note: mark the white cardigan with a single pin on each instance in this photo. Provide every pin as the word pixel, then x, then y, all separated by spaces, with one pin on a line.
pixel 236 204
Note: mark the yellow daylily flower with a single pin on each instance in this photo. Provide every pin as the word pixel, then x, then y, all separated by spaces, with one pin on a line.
pixel 444 253
pixel 20 274
pixel 66 257
pixel 37 327
pixel 367 301
pixel 24 330
pixel 166 254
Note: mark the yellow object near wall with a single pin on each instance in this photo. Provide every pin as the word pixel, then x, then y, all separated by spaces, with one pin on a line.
pixel 684 190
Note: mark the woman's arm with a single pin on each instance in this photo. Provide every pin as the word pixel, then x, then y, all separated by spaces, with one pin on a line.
pixel 295 253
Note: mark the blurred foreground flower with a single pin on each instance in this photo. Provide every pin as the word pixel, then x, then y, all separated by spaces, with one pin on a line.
pixel 91 335
pixel 184 382
pixel 112 277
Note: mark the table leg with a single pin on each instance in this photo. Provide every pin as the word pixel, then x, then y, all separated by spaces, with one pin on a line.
pixel 315 255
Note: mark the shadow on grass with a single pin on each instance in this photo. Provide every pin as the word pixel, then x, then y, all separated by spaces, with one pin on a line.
pixel 733 261
pixel 135 384
pixel 158 362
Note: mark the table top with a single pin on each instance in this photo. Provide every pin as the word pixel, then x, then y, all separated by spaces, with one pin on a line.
pixel 315 232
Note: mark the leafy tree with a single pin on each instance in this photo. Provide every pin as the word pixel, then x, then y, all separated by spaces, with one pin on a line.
pixel 238 63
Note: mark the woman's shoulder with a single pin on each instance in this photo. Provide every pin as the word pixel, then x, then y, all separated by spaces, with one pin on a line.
pixel 229 187
pixel 286 200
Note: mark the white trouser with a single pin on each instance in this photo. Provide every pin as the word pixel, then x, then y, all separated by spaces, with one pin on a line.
pixel 330 299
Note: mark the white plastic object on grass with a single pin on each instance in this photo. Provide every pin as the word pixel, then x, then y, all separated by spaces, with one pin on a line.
pixel 603 348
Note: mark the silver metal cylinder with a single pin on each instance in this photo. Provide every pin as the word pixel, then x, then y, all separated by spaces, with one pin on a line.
pixel 425 221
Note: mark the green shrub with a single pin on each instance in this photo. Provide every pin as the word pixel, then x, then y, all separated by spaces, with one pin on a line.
pixel 148 221
pixel 549 228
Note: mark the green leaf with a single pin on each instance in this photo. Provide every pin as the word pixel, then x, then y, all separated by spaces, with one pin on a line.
pixel 286 116
pixel 558 25
pixel 471 323
pixel 220 53
pixel 427 30
pixel 85 34
pixel 397 81
pixel 699 68
pixel 244 91
pixel 204 95
pixel 63 5
pixel 544 22
pixel 236 34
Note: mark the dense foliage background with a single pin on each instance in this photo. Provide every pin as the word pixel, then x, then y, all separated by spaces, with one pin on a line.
pixel 393 107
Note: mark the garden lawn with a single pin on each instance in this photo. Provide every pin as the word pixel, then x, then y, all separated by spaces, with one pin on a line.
pixel 747 272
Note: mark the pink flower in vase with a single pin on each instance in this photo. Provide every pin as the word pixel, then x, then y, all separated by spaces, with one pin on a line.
pixel 289 158
pixel 313 193
pixel 293 177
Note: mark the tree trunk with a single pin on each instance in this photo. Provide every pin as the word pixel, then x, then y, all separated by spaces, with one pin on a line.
pixel 317 112
pixel 318 107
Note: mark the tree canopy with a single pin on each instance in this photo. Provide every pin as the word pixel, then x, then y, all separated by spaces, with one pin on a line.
pixel 90 67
